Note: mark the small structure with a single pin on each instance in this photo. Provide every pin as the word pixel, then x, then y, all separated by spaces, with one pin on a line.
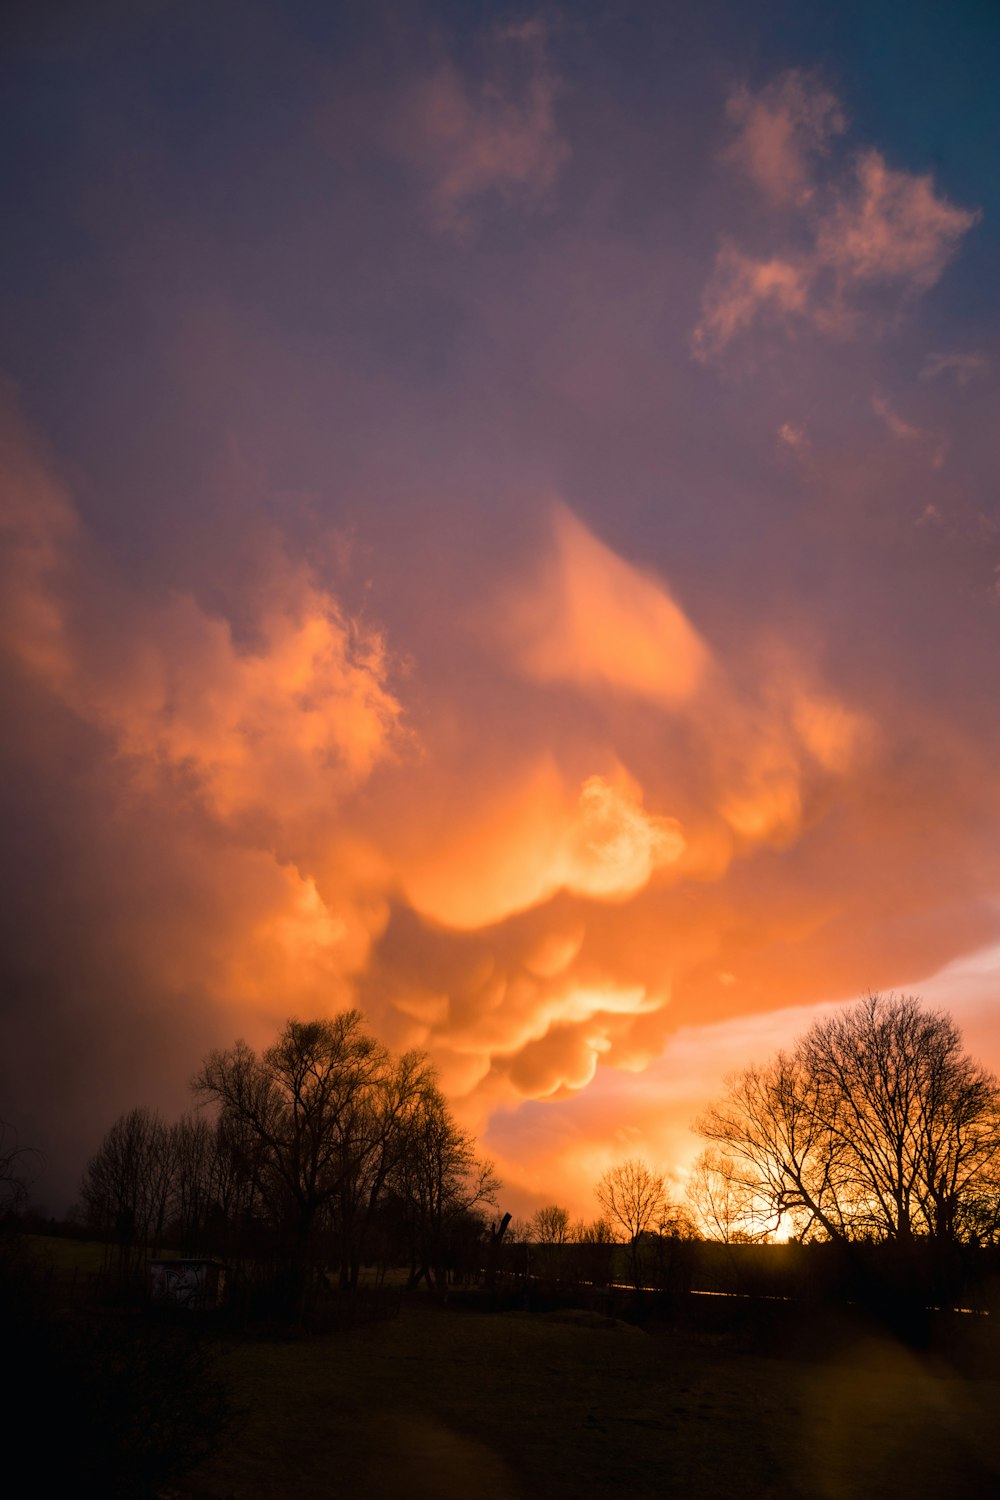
pixel 197 1285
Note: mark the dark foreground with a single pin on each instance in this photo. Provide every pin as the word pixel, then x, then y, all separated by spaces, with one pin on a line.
pixel 454 1403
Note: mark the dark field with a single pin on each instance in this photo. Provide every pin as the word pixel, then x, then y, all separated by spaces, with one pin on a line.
pixel 454 1403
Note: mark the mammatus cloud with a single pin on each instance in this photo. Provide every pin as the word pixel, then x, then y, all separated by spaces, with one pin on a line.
pixel 536 838
pixel 498 136
pixel 865 225
pixel 537 994
pixel 569 901
pixel 591 790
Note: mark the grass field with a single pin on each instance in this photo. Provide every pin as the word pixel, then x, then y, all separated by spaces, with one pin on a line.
pixel 449 1402
pixel 445 1403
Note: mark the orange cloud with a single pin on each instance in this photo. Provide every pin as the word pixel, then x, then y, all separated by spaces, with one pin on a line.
pixel 526 842
pixel 295 719
pixel 292 720
pixel 588 617
pixel 248 751
pixel 38 527
pixel 565 916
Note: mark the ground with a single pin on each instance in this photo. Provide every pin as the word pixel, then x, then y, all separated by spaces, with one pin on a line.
pixel 449 1403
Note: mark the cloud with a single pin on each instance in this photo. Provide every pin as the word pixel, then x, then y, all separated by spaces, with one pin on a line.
pixel 519 974
pixel 238 749
pixel 962 367
pixel 516 896
pixel 889 226
pixel 848 230
pixel 742 290
pixel 499 136
pixel 537 837
pixel 588 617
pixel 38 527
pixel 779 132
pixel 292 719
pixel 793 436
pixel 935 446
pixel 507 914
pixel 528 780
pixel 895 424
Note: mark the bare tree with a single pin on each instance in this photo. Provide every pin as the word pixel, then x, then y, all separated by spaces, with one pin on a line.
pixel 18 1165
pixel 593 1250
pixel 723 1201
pixel 519 1232
pixel 127 1185
pixel 550 1225
pixel 374 1135
pixel 550 1237
pixel 876 1125
pixel 299 1101
pixel 634 1199
pixel 194 1147
pixel 439 1181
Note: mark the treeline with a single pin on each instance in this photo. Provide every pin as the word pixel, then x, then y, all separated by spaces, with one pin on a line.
pixel 318 1154
pixel 326 1151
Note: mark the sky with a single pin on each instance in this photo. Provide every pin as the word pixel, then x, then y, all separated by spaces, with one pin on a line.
pixel 499 528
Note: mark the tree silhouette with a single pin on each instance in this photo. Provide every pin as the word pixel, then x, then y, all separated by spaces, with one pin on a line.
pixel 439 1182
pixel 550 1225
pixel 326 1115
pixel 17 1166
pixel 127 1186
pixel 723 1200
pixel 634 1199
pixel 876 1125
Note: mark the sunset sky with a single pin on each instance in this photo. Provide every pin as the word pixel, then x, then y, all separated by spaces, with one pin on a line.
pixel 500 527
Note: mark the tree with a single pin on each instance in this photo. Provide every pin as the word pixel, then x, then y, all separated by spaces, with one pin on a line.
pixel 550 1225
pixel 876 1125
pixel 439 1182
pixel 723 1201
pixel 127 1185
pixel 324 1129
pixel 193 1150
pixel 635 1200
pixel 374 1134
pixel 16 1172
pixel 550 1235
pixel 594 1251
pixel 302 1101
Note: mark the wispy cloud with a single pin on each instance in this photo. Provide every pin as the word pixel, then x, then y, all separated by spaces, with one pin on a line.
pixel 962 367
pixel 781 131
pixel 498 136
pixel 848 229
